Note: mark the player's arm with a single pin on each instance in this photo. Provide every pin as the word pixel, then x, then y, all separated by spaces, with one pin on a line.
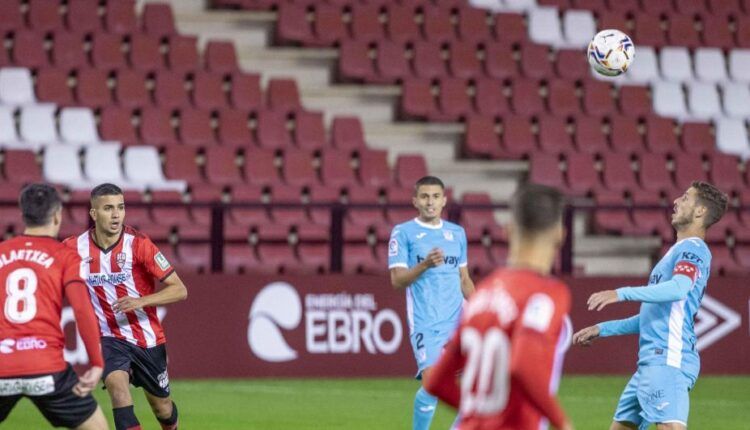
pixel 398 256
pixel 625 326
pixel 174 290
pixel 443 379
pixel 534 341
pixel 467 285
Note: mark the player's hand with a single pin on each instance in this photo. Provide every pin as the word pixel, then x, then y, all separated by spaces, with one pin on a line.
pixel 586 336
pixel 87 382
pixel 601 299
pixel 127 304
pixel 434 258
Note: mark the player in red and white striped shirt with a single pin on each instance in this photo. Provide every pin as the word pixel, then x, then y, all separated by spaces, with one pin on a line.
pixel 121 266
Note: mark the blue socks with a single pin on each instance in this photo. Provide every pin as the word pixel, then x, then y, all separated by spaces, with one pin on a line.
pixel 424 409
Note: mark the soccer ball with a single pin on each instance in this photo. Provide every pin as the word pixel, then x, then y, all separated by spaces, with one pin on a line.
pixel 611 52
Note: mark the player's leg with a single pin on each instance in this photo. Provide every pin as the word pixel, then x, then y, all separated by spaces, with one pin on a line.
pixel 97 421
pixel 664 396
pixel 7 403
pixel 63 408
pixel 671 426
pixel 117 363
pixel 623 426
pixel 627 415
pixel 150 372
pixel 427 346
pixel 165 410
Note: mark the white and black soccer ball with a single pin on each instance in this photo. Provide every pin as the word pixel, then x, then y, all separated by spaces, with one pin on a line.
pixel 611 52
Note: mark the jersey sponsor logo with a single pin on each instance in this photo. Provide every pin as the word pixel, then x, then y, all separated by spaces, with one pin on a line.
pixel 655 278
pixel 661 406
pixel 100 279
pixel 120 259
pixel 692 257
pixel 393 248
pixel 448 235
pixel 161 261
pixel 333 324
pixel 28 386
pixel 8 346
pixel 449 260
pixel 421 235
pixel 539 312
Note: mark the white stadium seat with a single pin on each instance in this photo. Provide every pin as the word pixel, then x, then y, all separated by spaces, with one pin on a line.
pixel 645 68
pixel 669 100
pixel 37 125
pixel 518 5
pixel 78 126
pixel 16 86
pixel 544 26
pixel 703 100
pixel 710 65
pixel 739 65
pixel 674 63
pixel 579 26
pixel 731 137
pixel 735 96
pixel 491 5
pixel 102 164
pixel 143 169
pixel 61 166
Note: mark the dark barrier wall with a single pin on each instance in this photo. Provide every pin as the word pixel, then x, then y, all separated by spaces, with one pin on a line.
pixel 344 326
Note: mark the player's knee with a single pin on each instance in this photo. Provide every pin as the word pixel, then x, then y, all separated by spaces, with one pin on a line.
pixel 97 421
pixel 670 426
pixel 161 406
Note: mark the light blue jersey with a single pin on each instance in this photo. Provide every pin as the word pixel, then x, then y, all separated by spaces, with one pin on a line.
pixel 667 335
pixel 434 300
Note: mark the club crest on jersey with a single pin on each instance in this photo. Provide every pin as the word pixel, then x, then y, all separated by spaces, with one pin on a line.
pixel 121 258
pixel 161 261
pixel 448 235
pixel 393 248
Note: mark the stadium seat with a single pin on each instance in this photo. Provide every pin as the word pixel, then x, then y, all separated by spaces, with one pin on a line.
pixel 598 99
pixel 675 64
pixel 37 124
pixel 205 194
pixel 283 95
pixel 690 7
pixel 365 23
pixel 518 137
pixel 624 135
pixel 703 100
pixel 67 50
pixel 669 101
pixel 697 138
pixel 245 92
pixel 391 63
pixel 177 215
pixel 208 92
pixel 373 168
pixel 607 221
pixel 617 173
pixel 298 167
pixel 336 169
pixel 535 62
pixel 544 26
pixel 130 89
pixel 222 166
pixel 646 69
pixel 481 263
pixel 635 101
pixel 724 263
pixel 359 222
pixel 410 168
pixel 589 136
pixel 116 124
pixel 142 167
pixel 277 259
pixel 688 168
pixel 121 18
pixel 472 25
pixel 553 135
pixel 400 196
pixel 463 60
pixel 355 63
pixel 499 62
pixel 157 20
pixel 579 27
pixel 156 127
pixel 454 102
pixel 710 65
pixel 28 50
pixel 739 65
pixel 725 172
pixel 681 31
pixel 649 216
pixel 526 98
pixel 91 88
pixel 480 222
pixel 437 25
pixel 427 61
pixel 233 128
pixel 568 65
pixel 489 99
pixel 417 101
pixel 195 128
pixel 106 52
pixel 660 135
pixel 52 87
pixel 101 163
pixel 734 98
pixel 250 216
pixel 272 131
pixel 581 176
pixel 329 27
pixel 260 167
pixel 169 90
pixel 16 86
pixel 60 165
pixel 732 138
pixel 78 126
pixel 20 166
pixel 545 169
pixel 309 131
pixel 716 31
pixel 347 133
pixel 182 55
pixel 481 139
pixel 83 17
pixel 648 31
pixel 360 259
pixel 240 259
pixel 11 18
pixel 220 56
pixel 401 25
pixel 194 257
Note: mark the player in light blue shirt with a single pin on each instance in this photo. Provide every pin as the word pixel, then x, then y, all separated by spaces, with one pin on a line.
pixel 427 256
pixel 668 361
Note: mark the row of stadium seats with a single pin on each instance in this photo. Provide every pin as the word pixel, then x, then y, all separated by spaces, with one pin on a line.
pixel 86 17
pixel 678 64
pixel 514 137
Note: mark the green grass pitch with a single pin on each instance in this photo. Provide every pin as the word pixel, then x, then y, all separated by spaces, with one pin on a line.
pixel 361 404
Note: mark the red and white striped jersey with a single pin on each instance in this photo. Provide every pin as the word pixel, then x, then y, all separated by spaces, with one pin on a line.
pixel 128 268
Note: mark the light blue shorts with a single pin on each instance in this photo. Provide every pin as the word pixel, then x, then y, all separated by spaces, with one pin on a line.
pixel 427 346
pixel 655 394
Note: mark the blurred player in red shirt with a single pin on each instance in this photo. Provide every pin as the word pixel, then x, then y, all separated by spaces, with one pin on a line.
pixel 121 266
pixel 37 272
pixel 514 330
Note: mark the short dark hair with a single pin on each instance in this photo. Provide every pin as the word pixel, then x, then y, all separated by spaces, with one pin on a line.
pixel 536 208
pixel 38 202
pixel 713 199
pixel 428 180
pixel 105 189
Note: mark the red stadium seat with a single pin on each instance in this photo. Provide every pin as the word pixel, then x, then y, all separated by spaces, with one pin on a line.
pixel 106 52
pixel 724 263
pixel 401 25
pixel 690 7
pixel 510 28
pixel 660 135
pixel 233 129
pixel 568 65
pixel 221 166
pixel 582 177
pixel 553 135
pixel 624 135
pixel 617 173
pixel 593 5
pixel 176 215
pixel 199 192
pixel 169 90
pixel 156 127
pixel 83 16
pixel 481 139
pixel 336 169
pixel 321 194
pixel 365 23
pixel 145 53
pixel 194 257
pixel 436 25
pixel 391 63
pixel 648 31
pixel 499 62
pixel 647 221
pixel 428 60
pixel 481 263
pixel 454 102
pixel 298 167
pixel 489 98
pixel 742 32
pixel 277 258
pixel 518 137
pixel 220 57
pixel 329 27
pixel 717 31
pixel 653 173
pixel 67 50
pixel 355 63
pixel 472 25
pixel 313 259
pixel 283 95
pixel 182 55
pixel 272 131
pixel 697 138
pixel 157 20
pixel 20 167
pixel 309 131
pixel 598 99
pixel 562 99
pixel 463 61
pixel 28 50
pixel 726 173
pixel 480 222
pixel 240 259
pixel 91 88
pixel 120 17
pixel 409 169
pixel 260 167
pixel 373 168
pixel 635 101
pixel 130 90
pixel 614 19
pixel 360 259
pixel 359 221
pixel 688 168
pixel 208 91
pixel 245 92
pixel 181 163
pixel 347 133
pixel 52 86
pixel 292 25
pixel 400 196
pixel 682 31
pixel 526 98
pixel 417 101
pixel 44 16
pixel 611 220
pixel 288 194
pixel 195 128
pixel 11 18
pixel 589 135
pixel 116 124
pixel 631 6
pixel 535 62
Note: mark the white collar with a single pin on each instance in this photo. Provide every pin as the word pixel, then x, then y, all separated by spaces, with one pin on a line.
pixel 432 226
